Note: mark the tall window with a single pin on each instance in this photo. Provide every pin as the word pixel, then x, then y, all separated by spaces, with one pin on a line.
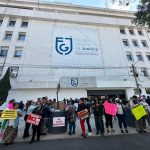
pixel 8 36
pixel 24 24
pixel 144 43
pixel 3 51
pixel 148 57
pixel 125 42
pixel 129 57
pixel 135 43
pixel 22 36
pixel 140 32
pixel 131 31
pixel 122 31
pixel 139 57
pixel 18 52
pixel 145 72
pixel 1 21
pixel 12 23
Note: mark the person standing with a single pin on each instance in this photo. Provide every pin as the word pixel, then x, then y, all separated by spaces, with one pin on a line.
pixel 36 129
pixel 98 109
pixel 88 107
pixel 121 115
pixel 45 115
pixel 12 128
pixel 30 107
pixel 139 123
pixel 109 118
pixel 82 107
pixel 71 116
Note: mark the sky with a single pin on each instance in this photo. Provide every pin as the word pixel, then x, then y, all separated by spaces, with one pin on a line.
pixel 99 3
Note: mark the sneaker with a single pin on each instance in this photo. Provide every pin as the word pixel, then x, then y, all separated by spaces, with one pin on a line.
pixel 73 133
pixel 122 131
pixel 140 132
pixel 90 133
pixel 108 131
pixel 84 136
pixel 144 131
pixel 69 133
pixel 113 131
pixel 127 131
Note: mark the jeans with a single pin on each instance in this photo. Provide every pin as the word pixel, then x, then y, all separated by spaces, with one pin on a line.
pixel 99 124
pixel 88 124
pixel 108 120
pixel 121 120
pixel 72 126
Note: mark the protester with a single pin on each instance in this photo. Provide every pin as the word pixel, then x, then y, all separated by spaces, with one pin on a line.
pixel 121 115
pixel 147 109
pixel 36 129
pixel 45 112
pixel 88 107
pixel 109 119
pixel 30 107
pixel 21 105
pixel 71 117
pixel 12 128
pixel 98 109
pixel 139 123
pixel 82 121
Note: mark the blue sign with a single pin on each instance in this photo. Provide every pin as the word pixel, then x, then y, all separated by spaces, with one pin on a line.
pixel 74 82
pixel 61 47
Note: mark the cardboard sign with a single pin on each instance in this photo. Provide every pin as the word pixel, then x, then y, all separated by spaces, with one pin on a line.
pixel 34 119
pixel 9 114
pixel 139 112
pixel 58 121
pixel 110 108
pixel 83 114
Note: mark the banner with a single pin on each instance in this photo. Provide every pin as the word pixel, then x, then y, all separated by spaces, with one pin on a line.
pixel 9 114
pixel 34 119
pixel 58 121
pixel 76 47
pixel 83 114
pixel 110 108
pixel 139 112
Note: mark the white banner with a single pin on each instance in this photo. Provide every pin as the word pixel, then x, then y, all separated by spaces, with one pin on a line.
pixel 58 121
pixel 76 47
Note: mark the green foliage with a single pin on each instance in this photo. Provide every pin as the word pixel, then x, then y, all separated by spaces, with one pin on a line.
pixel 5 86
pixel 143 14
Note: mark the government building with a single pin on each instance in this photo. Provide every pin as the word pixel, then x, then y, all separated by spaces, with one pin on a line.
pixel 90 51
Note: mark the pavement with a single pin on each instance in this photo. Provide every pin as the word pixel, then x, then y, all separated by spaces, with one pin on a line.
pixel 78 131
pixel 124 142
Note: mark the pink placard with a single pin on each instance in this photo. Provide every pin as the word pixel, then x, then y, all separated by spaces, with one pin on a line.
pixel 110 108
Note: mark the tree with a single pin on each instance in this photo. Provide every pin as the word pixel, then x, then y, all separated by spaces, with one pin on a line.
pixel 143 13
pixel 5 87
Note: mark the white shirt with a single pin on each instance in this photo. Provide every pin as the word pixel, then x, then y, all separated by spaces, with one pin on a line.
pixel 120 110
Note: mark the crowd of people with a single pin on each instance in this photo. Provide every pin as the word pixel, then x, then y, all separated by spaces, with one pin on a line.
pixel 95 105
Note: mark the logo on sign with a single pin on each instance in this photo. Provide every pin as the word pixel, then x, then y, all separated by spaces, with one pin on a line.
pixel 74 82
pixel 64 46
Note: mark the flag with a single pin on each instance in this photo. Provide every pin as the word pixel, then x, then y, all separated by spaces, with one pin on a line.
pixel 58 87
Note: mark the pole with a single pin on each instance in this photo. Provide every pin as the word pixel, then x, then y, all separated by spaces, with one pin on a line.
pixel 136 81
pixel 57 100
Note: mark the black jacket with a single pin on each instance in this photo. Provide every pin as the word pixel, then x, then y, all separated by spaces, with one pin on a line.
pixel 98 110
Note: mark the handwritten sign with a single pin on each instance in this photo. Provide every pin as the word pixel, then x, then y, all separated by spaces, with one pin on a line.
pixel 58 121
pixel 110 108
pixel 34 119
pixel 9 114
pixel 83 114
pixel 139 112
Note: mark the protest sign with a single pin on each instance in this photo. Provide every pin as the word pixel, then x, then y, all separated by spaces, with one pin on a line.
pixel 9 114
pixel 83 114
pixel 34 119
pixel 110 108
pixel 139 112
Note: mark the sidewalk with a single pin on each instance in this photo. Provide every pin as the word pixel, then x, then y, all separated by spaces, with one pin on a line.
pixel 78 131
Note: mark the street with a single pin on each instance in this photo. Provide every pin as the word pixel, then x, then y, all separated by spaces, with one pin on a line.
pixel 125 142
